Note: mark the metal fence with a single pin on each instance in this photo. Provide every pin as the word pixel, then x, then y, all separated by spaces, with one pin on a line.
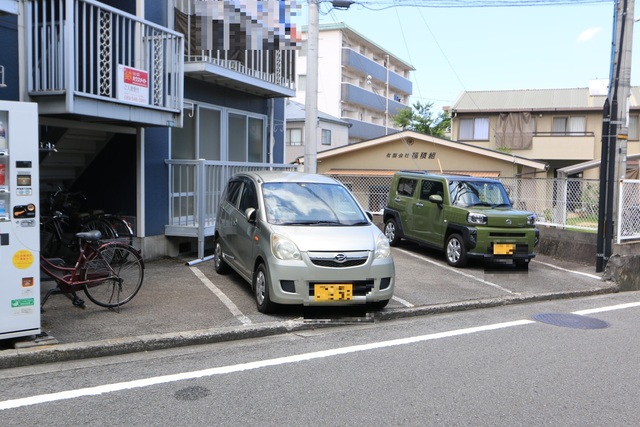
pixel 629 209
pixel 195 187
pixel 76 47
pixel 570 203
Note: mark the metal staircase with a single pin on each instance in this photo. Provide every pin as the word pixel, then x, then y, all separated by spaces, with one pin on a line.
pixel 66 152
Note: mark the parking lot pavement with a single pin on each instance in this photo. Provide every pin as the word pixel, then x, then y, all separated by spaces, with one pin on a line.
pixel 182 305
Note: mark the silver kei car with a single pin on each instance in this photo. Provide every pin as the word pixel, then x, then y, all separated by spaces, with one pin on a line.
pixel 301 238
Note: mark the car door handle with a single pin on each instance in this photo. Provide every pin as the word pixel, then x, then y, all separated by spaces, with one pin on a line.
pixel 235 222
pixel 418 204
pixel 397 199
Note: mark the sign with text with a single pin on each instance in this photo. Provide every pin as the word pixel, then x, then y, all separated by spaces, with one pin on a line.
pixel 133 85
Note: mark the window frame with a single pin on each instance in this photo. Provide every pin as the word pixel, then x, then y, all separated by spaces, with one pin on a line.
pixel 466 133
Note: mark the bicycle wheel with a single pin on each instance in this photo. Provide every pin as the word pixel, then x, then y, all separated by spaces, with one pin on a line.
pixel 50 244
pixel 107 230
pixel 123 230
pixel 123 270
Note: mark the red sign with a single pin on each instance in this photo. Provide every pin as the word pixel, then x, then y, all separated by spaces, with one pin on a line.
pixel 136 77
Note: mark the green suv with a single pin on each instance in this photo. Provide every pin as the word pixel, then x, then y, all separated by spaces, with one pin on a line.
pixel 462 215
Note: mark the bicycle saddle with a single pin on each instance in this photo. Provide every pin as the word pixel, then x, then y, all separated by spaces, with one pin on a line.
pixel 91 235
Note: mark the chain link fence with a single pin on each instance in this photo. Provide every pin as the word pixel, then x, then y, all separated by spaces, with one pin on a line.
pixel 629 208
pixel 566 203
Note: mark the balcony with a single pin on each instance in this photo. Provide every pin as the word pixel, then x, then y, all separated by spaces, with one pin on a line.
pixel 235 49
pixel 92 60
pixel 356 95
pixel 551 146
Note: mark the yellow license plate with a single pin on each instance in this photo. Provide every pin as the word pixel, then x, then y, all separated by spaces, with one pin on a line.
pixel 503 248
pixel 335 292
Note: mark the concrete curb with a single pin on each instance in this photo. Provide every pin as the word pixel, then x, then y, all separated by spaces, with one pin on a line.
pixel 112 347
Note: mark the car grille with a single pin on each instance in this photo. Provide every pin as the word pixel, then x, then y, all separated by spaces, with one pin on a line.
pixel 338 259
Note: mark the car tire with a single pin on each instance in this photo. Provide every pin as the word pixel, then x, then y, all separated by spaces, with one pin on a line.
pixel 391 231
pixel 220 265
pixel 455 251
pixel 261 290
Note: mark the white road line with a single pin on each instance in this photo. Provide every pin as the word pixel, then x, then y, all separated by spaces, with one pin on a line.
pixel 567 270
pixel 457 271
pixel 401 301
pixel 164 379
pixel 225 300
pixel 609 308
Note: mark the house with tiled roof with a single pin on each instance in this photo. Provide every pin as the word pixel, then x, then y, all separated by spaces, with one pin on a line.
pixel 561 127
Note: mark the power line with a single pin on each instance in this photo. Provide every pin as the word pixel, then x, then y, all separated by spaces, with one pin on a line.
pixel 386 4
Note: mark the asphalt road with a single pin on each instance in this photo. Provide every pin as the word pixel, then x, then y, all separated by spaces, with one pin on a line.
pixel 495 367
pixel 181 305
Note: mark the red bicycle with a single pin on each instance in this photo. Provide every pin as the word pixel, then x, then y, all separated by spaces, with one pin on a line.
pixel 110 273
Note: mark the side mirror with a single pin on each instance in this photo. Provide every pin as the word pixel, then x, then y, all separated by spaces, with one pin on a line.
pixel 250 214
pixel 436 198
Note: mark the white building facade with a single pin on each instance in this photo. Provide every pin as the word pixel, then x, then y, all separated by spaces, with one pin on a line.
pixel 358 81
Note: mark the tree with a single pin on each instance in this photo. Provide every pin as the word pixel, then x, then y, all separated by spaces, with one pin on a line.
pixel 421 119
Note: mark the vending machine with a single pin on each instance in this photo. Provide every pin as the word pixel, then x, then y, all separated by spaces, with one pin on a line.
pixel 19 220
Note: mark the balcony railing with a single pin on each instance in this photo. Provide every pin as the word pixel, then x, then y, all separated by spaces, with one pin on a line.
pixel 233 44
pixel 84 49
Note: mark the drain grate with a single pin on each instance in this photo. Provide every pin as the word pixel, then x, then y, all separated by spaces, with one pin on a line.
pixel 570 320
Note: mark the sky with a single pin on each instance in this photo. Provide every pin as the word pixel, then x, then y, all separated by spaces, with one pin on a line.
pixel 490 48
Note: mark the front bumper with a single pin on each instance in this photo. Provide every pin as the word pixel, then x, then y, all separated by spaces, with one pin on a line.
pixel 293 282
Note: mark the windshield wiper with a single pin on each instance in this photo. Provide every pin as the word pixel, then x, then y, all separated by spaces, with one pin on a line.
pixel 312 222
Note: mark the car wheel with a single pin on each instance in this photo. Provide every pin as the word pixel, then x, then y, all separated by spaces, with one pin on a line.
pixel 261 290
pixel 220 265
pixel 455 251
pixel 522 265
pixel 391 231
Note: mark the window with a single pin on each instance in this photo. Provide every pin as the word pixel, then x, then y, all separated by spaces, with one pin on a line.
pixel 326 137
pixel 249 198
pixel 476 128
pixel 217 133
pixel 294 136
pixel 246 138
pixel 406 186
pixel 569 125
pixel 209 134
pixel 431 188
pixel 633 128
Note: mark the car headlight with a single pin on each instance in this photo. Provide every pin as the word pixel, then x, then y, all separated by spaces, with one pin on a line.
pixel 383 249
pixel 476 218
pixel 531 220
pixel 284 248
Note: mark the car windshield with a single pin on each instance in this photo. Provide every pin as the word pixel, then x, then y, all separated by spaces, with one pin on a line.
pixel 295 203
pixel 478 193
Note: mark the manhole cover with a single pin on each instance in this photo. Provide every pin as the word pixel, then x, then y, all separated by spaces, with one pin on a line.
pixel 569 320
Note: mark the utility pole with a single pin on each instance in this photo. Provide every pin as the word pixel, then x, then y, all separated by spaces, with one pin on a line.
pixel 615 130
pixel 311 92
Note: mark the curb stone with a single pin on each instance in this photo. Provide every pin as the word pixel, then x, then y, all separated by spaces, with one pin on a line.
pixel 112 347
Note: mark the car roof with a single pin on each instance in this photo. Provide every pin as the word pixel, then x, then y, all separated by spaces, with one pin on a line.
pixel 448 177
pixel 286 176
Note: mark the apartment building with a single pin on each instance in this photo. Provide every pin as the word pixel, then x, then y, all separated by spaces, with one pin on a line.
pixel 561 127
pixel 358 81
pixel 147 106
pixel 332 131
